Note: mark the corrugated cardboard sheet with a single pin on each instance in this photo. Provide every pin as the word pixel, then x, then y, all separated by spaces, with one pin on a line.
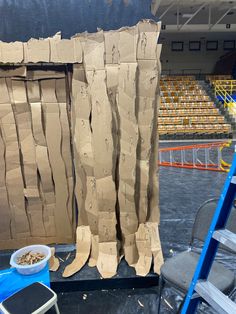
pixel 90 138
pixel 36 177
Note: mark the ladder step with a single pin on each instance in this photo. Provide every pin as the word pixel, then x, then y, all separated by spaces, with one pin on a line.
pixel 218 300
pixel 226 237
pixel 233 180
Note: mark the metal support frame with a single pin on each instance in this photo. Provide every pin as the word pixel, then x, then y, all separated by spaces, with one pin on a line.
pixel 167 9
pixel 194 14
pixel 209 24
pixel 177 15
pixel 221 18
pixel 209 16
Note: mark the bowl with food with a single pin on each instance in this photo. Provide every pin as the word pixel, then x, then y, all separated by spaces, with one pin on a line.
pixel 30 259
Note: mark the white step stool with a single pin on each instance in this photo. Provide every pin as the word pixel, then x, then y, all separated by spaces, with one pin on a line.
pixel 34 299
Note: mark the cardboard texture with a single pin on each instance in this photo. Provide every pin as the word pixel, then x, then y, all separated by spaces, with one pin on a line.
pixel 54 263
pixel 11 52
pixel 85 138
pixel 29 182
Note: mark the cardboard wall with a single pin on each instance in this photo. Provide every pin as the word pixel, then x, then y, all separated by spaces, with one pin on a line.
pixel 36 171
pixel 111 122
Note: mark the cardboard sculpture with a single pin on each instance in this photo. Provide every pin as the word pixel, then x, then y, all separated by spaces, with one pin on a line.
pixel 111 122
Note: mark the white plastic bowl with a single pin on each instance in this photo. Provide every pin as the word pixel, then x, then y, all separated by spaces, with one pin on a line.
pixel 34 268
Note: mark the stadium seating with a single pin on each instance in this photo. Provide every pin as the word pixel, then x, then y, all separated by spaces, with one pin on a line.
pixel 186 109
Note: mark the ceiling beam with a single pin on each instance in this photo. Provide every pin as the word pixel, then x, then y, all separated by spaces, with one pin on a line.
pixel 194 14
pixel 177 15
pixel 167 9
pixel 209 16
pixel 221 18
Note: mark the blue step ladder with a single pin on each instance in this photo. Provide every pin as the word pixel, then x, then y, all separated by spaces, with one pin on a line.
pixel 200 288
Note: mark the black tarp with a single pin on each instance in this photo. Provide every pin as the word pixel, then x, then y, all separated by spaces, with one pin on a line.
pixel 24 19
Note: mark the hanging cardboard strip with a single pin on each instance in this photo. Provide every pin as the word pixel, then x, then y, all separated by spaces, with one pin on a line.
pixel 83 244
pixel 45 173
pixel 126 102
pixel 54 139
pixel 148 81
pixel 5 222
pixel 14 183
pixel 82 140
pixel 66 143
pixel 27 149
pixel 104 150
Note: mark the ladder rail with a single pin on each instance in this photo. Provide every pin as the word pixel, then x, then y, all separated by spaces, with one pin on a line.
pixel 210 246
pixel 198 156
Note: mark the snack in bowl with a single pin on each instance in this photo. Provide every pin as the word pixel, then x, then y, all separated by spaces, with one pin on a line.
pixel 30 258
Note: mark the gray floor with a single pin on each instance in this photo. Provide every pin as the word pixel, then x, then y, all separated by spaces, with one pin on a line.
pixel 182 191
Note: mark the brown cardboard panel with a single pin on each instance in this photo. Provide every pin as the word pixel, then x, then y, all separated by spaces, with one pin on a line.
pixel 101 124
pixel 28 153
pixel 143 241
pixel 14 182
pixel 148 36
pixel 66 142
pixel 126 103
pixel 11 52
pixel 48 90
pixel 44 74
pixel 147 238
pixel 155 246
pixel 111 47
pixel 94 251
pixel 42 160
pixel 128 44
pixel 107 259
pixel 148 78
pixel 6 71
pixel 54 263
pixel 154 210
pixel 78 54
pixel 83 143
pixel 143 168
pixel 36 112
pixel 80 191
pixel 4 99
pixel 104 150
pixel 83 243
pixel 36 51
pixel 94 51
pixel 47 190
pixel 54 138
pixel 112 71
pixel 33 91
pixel 67 156
pixel 5 222
pixel 65 50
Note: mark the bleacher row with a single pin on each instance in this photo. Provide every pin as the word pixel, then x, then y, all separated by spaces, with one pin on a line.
pixel 186 109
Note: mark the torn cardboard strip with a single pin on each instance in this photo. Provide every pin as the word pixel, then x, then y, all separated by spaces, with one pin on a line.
pixel 126 102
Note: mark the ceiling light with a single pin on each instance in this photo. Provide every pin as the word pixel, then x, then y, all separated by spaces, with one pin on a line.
pixel 187 15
